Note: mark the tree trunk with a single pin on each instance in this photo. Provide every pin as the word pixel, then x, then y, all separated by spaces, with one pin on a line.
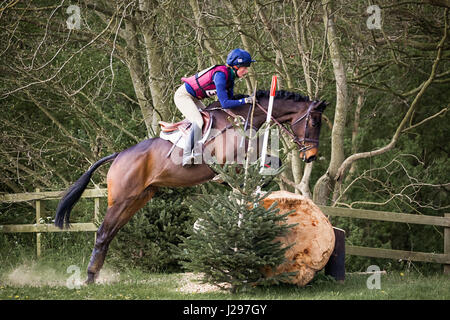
pixel 296 167
pixel 155 64
pixel 303 46
pixel 326 183
pixel 135 65
pixel 251 79
pixel 305 53
pixel 355 131
pixel 203 36
pixel 276 44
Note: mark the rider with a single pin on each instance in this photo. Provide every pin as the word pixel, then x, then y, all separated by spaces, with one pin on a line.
pixel 216 80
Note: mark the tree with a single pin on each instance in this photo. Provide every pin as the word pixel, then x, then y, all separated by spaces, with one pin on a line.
pixel 330 182
pixel 325 184
pixel 234 237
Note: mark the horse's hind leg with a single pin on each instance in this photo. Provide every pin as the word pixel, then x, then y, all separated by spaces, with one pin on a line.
pixel 116 217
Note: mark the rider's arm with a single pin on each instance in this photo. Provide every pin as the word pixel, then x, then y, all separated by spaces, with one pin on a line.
pixel 222 93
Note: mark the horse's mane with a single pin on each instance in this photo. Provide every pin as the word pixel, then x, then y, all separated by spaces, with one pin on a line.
pixel 284 95
pixel 281 94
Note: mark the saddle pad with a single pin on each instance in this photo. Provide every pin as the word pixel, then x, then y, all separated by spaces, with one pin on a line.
pixel 180 134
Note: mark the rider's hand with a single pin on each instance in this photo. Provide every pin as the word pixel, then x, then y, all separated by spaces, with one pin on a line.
pixel 249 99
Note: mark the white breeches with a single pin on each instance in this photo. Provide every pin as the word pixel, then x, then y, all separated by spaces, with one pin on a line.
pixel 188 105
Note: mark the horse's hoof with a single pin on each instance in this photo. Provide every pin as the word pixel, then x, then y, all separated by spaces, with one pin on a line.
pixel 91 278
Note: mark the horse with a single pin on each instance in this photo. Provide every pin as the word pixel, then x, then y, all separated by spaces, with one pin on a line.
pixel 136 173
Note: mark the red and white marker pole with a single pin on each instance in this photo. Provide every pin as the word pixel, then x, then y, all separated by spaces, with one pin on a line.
pixel 273 88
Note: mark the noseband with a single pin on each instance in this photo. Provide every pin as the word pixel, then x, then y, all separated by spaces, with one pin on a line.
pixel 299 141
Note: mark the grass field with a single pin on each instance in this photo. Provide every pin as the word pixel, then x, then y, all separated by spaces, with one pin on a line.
pixel 32 280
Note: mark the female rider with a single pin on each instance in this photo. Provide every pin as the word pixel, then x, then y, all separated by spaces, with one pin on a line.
pixel 216 80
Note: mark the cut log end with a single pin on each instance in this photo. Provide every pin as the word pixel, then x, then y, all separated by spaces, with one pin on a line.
pixel 313 237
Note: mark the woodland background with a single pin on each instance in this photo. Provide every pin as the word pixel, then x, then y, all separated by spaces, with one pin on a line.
pixel 71 94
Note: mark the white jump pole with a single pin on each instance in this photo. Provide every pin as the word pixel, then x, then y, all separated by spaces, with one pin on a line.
pixel 273 88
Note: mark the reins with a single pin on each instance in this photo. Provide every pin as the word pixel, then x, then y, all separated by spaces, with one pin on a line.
pixel 299 142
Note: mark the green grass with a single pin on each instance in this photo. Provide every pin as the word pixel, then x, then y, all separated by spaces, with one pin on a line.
pixel 32 280
pixel 25 278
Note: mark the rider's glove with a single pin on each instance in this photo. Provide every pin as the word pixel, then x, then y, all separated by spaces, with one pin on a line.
pixel 249 99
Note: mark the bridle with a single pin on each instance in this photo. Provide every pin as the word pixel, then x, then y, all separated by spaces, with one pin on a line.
pixel 299 141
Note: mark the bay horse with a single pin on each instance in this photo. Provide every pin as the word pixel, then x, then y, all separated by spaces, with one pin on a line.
pixel 137 172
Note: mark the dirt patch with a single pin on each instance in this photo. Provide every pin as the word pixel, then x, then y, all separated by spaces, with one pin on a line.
pixel 189 283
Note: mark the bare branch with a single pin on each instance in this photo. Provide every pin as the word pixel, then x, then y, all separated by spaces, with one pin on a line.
pixel 414 104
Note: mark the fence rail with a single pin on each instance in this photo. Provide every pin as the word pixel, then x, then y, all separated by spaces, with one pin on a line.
pixel 442 258
pixel 39 227
pixel 96 194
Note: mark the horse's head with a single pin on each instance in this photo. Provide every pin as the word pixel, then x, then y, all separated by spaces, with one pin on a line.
pixel 303 115
pixel 306 126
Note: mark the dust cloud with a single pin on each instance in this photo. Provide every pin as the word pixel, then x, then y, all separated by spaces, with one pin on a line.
pixel 34 275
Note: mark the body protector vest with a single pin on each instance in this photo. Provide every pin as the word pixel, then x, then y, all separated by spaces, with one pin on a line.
pixel 202 82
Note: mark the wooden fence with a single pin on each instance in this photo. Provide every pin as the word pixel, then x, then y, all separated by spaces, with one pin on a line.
pixel 96 194
pixel 442 258
pixel 38 227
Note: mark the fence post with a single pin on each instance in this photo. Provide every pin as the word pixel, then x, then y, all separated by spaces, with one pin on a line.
pixel 38 221
pixel 96 212
pixel 335 266
pixel 447 245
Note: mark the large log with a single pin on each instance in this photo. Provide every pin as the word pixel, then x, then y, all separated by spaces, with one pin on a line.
pixel 313 237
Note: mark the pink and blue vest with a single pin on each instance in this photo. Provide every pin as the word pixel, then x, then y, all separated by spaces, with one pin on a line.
pixel 202 82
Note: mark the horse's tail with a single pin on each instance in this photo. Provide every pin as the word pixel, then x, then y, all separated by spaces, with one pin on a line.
pixel 73 194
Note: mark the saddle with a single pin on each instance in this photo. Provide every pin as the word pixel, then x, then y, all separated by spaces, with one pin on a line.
pixel 178 132
pixel 185 124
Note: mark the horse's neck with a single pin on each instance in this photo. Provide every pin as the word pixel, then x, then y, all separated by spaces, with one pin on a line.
pixel 244 111
pixel 280 111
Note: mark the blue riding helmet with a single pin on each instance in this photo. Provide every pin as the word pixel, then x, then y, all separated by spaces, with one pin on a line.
pixel 239 58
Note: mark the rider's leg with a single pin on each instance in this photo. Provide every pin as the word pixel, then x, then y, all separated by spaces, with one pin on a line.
pixel 188 105
pixel 194 149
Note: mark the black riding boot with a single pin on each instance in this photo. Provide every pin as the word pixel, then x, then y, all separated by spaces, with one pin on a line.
pixel 191 151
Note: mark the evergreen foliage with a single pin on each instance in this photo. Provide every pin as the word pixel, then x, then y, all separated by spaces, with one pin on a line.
pixel 234 238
